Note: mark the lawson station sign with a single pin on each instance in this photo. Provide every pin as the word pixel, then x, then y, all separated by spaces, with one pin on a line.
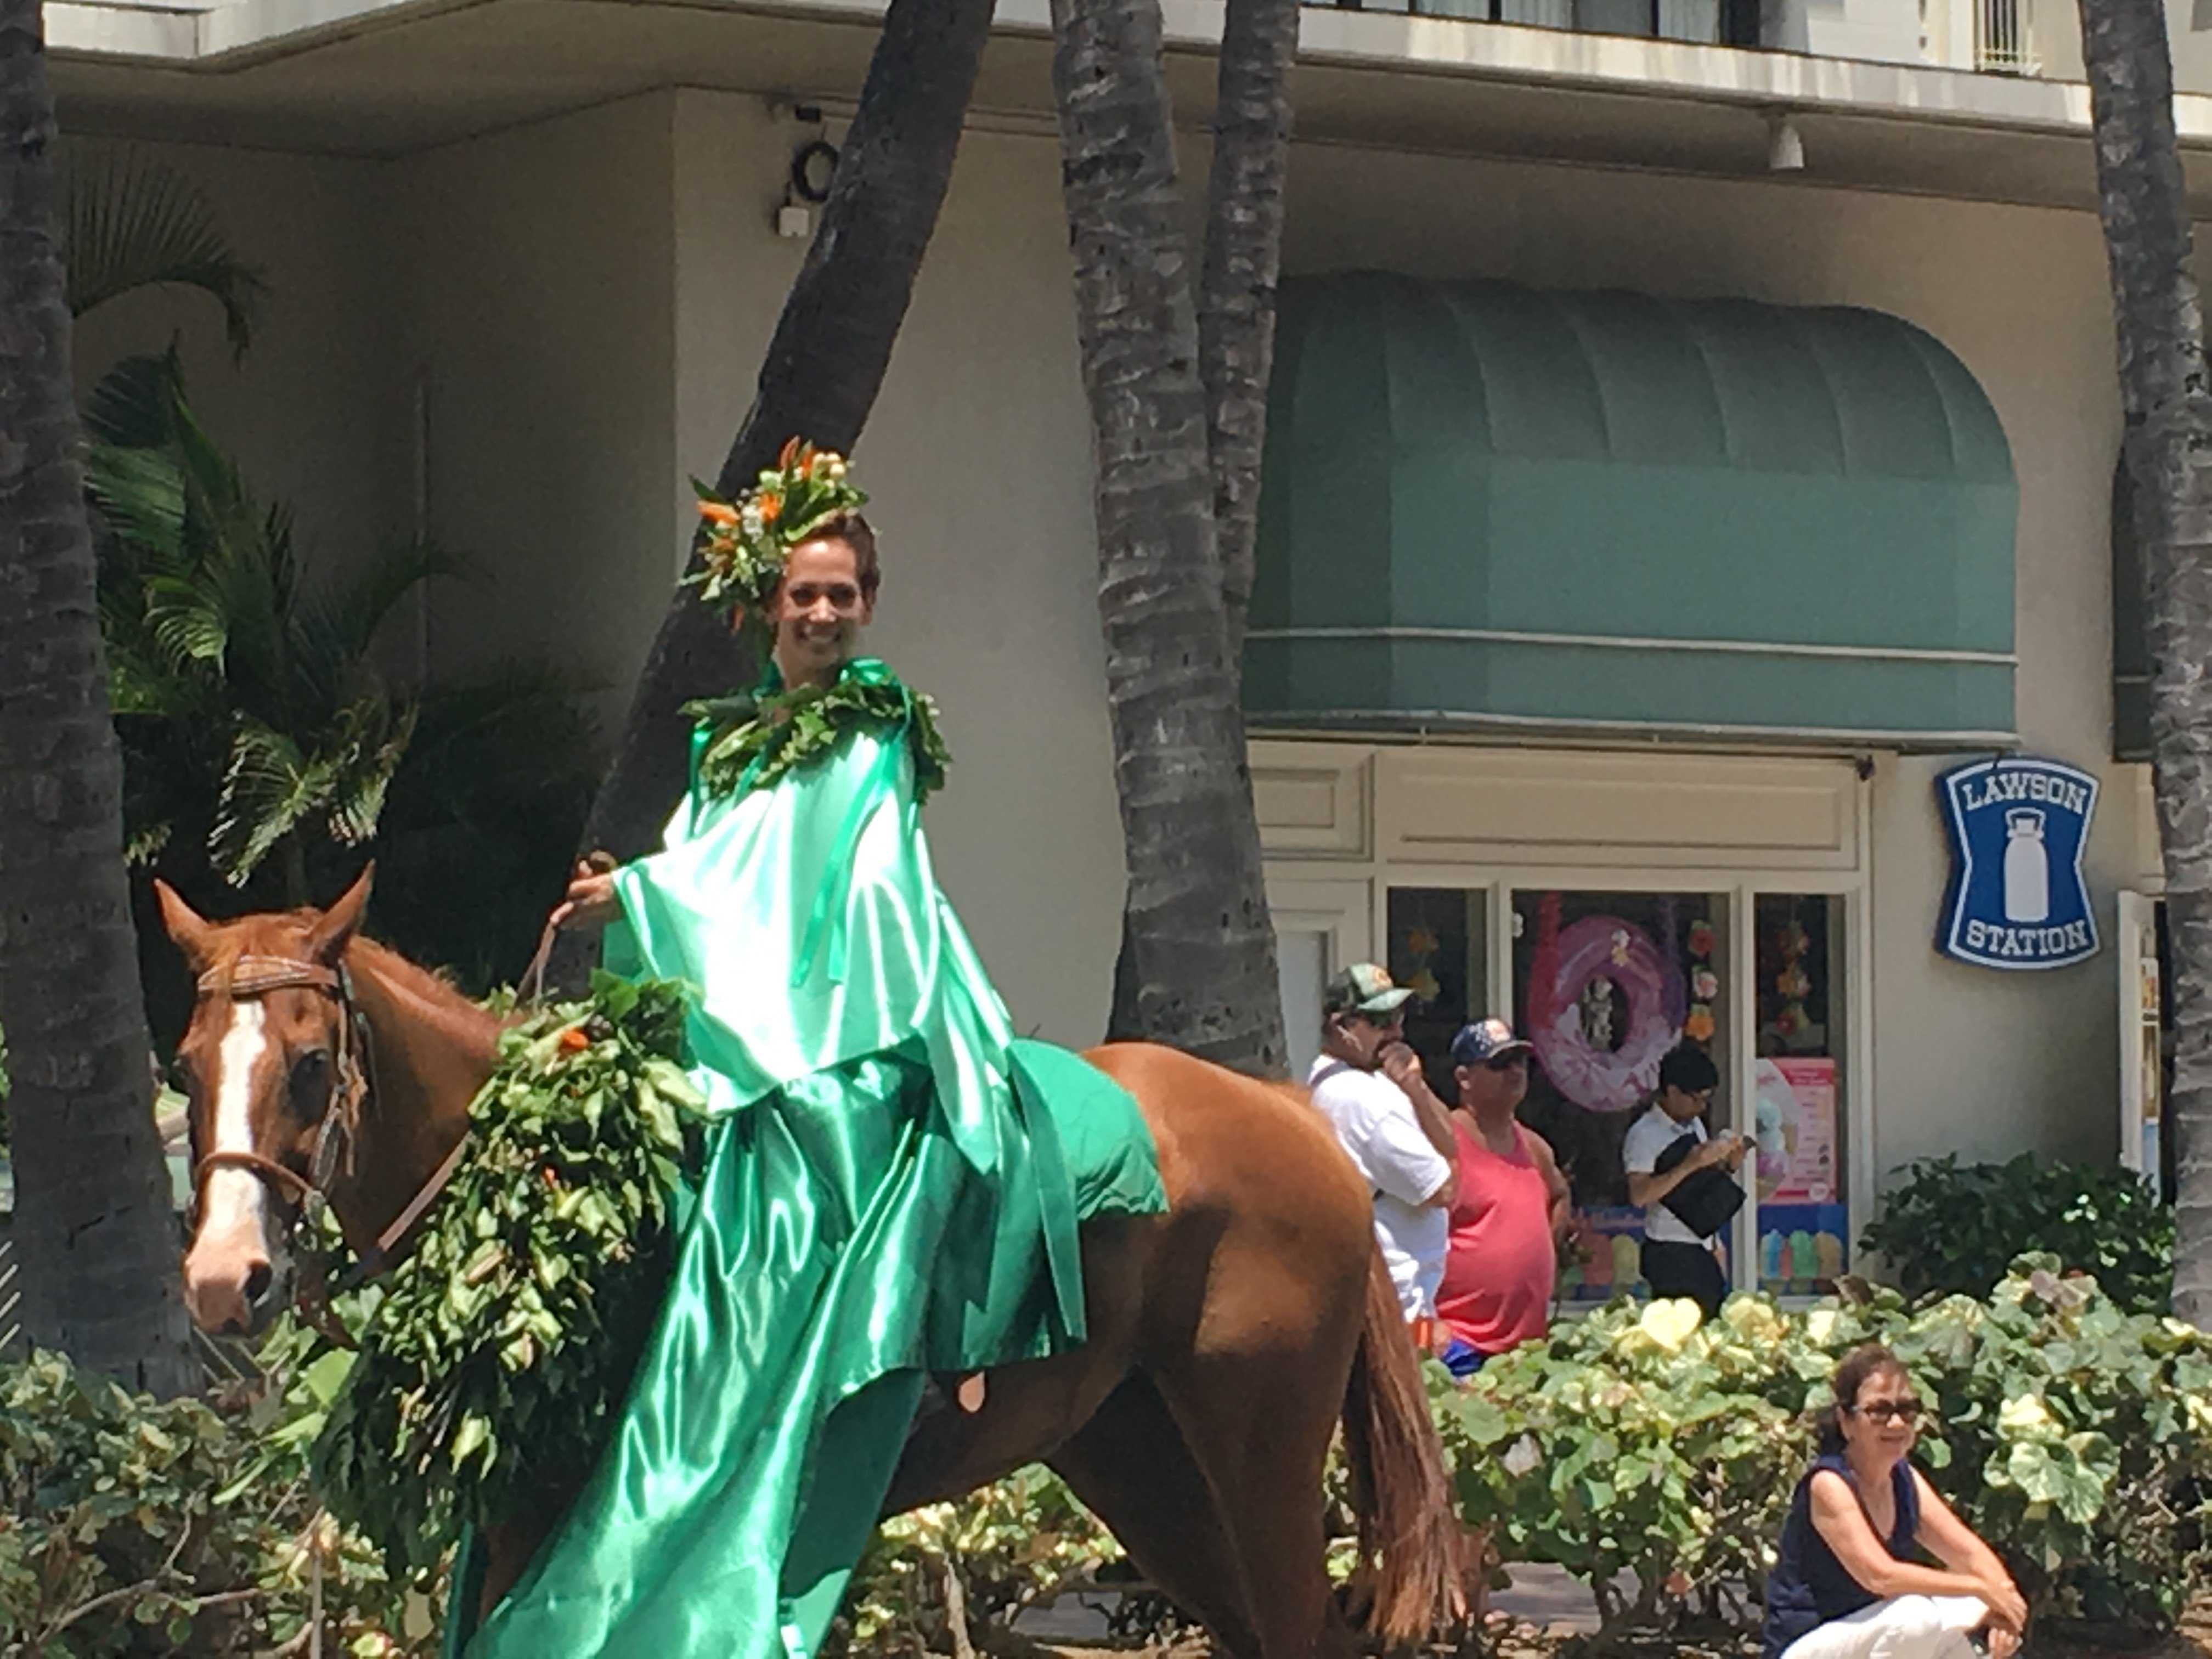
pixel 2017 899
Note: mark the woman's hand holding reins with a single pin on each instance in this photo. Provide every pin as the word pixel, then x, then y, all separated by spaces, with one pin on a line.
pixel 591 901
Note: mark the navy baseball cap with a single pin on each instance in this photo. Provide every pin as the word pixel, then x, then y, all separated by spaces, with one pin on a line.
pixel 1485 1041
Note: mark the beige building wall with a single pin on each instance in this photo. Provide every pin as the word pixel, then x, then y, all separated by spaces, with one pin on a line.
pixel 534 341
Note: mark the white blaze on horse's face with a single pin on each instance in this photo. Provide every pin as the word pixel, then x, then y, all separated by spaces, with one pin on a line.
pixel 232 1262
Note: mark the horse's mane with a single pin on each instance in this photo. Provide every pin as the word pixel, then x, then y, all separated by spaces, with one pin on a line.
pixel 401 977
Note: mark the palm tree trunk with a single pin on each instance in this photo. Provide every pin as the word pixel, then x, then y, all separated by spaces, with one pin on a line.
pixel 1246 201
pixel 92 1222
pixel 1198 957
pixel 823 368
pixel 2168 450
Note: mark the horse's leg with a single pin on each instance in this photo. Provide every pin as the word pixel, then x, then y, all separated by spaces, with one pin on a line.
pixel 1130 1465
pixel 1261 1431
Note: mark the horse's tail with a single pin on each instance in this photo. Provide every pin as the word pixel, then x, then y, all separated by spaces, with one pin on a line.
pixel 1409 1532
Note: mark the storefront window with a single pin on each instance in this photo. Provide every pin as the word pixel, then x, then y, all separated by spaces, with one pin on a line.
pixel 1798 1113
pixel 1439 947
pixel 1604 984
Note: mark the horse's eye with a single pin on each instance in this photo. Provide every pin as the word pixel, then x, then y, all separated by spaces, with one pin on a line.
pixel 181 1079
pixel 311 1085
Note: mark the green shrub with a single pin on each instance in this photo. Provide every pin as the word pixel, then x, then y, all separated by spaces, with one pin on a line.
pixel 134 1528
pixel 980 1560
pixel 131 1529
pixel 2074 1436
pixel 1954 1229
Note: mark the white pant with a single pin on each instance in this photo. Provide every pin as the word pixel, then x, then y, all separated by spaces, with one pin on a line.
pixel 1903 1628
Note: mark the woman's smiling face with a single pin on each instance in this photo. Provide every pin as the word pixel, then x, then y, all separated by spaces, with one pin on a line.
pixel 819 611
pixel 1885 1419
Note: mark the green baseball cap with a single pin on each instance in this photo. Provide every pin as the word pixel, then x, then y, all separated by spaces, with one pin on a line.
pixel 1364 989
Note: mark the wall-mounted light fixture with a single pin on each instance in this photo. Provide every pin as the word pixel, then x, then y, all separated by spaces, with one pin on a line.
pixel 1785 145
pixel 813 165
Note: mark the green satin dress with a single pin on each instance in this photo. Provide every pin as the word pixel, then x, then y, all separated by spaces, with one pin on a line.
pixel 890 1187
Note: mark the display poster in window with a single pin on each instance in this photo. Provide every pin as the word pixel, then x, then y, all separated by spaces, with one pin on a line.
pixel 2017 899
pixel 1793 1106
pixel 1802 1228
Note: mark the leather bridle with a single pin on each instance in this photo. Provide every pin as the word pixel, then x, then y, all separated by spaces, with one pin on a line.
pixel 338 1135
pixel 249 979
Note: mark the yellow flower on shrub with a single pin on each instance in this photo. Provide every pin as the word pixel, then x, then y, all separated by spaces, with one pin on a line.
pixel 1760 1320
pixel 2026 1417
pixel 1670 1323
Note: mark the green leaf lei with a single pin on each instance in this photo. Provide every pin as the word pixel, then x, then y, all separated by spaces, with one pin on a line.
pixel 753 741
pixel 497 1354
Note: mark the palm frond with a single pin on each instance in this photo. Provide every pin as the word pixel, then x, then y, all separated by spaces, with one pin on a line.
pixel 142 682
pixel 134 405
pixel 350 622
pixel 135 222
pixel 269 788
pixel 186 621
pixel 376 735
pixel 144 845
pixel 140 494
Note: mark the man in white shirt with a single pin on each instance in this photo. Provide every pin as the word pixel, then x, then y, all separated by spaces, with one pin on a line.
pixel 1676 1261
pixel 1369 1083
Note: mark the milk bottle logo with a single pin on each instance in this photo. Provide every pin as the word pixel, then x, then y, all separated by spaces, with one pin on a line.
pixel 2026 867
pixel 2017 899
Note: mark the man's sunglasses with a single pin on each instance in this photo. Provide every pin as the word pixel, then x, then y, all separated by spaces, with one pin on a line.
pixel 1907 1411
pixel 1506 1062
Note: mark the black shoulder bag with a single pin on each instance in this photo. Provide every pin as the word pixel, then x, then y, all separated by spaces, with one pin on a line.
pixel 1704 1202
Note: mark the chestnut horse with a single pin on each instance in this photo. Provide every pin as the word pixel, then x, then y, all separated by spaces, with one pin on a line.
pixel 1228 1337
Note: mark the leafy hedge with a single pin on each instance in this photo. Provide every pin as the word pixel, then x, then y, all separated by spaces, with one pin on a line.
pixel 131 1528
pixel 1949 1228
pixel 134 1528
pixel 1637 1445
pixel 1641 1442
pixel 977 1564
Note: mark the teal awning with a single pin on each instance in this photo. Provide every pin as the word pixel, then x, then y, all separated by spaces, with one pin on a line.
pixel 1486 506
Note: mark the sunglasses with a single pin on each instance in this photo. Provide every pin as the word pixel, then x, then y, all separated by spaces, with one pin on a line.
pixel 1505 1062
pixel 1906 1412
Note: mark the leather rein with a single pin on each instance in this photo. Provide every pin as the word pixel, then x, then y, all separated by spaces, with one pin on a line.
pixel 337 1138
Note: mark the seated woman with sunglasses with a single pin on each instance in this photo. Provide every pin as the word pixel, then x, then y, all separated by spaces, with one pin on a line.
pixel 1848 1583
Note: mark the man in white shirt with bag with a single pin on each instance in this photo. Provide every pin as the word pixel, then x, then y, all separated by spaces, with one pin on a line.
pixel 1677 1261
pixel 1398 1134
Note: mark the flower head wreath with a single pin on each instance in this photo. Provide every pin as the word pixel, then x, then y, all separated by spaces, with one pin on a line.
pixel 748 540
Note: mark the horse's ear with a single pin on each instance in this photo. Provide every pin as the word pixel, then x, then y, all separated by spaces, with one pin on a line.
pixel 191 933
pixel 327 941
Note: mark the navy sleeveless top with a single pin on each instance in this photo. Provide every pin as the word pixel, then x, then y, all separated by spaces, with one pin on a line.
pixel 1808 1586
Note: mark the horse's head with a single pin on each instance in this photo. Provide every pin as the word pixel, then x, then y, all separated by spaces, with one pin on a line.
pixel 272 1062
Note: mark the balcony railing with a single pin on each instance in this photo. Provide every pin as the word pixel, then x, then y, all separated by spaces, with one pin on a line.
pixel 1663 20
pixel 2002 46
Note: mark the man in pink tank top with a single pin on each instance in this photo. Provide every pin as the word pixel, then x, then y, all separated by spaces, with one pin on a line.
pixel 1511 1211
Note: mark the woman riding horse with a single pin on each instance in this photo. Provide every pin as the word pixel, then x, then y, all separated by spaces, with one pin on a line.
pixel 891 1202
pixel 886 1197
